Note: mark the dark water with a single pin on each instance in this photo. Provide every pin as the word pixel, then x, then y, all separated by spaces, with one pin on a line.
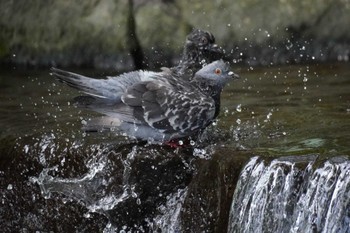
pixel 54 177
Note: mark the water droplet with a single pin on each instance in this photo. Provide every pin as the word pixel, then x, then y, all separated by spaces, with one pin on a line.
pixel 26 149
pixel 9 187
pixel 239 108
pixel 63 161
pixel 181 142
pixel 268 117
pixel 238 121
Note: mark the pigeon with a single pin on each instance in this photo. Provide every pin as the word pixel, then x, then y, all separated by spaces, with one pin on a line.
pixel 199 49
pixel 152 106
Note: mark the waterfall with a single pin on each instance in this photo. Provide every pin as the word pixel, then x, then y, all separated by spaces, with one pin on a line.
pixel 292 194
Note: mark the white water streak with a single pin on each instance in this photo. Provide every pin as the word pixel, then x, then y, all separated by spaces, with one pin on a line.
pixel 288 196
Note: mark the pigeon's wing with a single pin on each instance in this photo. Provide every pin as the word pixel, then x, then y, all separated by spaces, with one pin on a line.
pixel 171 108
pixel 111 109
pixel 110 88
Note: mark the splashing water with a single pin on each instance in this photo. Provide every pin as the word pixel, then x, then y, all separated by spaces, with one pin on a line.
pixel 91 188
pixel 114 189
pixel 168 220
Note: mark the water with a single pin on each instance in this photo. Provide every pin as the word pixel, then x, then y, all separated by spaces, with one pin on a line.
pixel 291 195
pixel 288 109
pixel 54 177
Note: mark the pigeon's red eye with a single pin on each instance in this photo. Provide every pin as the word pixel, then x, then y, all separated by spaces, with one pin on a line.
pixel 217 71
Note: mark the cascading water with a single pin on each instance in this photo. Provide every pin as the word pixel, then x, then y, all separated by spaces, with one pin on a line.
pixel 290 195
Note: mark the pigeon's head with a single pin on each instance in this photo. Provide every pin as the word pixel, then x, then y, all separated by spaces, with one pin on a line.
pixel 200 45
pixel 216 73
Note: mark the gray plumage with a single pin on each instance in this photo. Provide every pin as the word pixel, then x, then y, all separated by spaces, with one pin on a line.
pixel 157 106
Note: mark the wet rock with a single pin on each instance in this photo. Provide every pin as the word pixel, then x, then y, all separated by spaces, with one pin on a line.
pixel 210 192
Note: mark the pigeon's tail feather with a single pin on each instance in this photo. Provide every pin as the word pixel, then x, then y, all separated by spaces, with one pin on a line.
pixel 112 124
pixel 85 84
pixel 111 109
pixel 71 79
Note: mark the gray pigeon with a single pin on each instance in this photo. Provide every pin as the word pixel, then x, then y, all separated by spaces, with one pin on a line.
pixel 153 106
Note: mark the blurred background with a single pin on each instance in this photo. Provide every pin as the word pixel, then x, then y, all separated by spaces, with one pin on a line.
pixel 101 34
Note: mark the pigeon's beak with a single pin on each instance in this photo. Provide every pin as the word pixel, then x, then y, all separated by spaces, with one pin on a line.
pixel 233 75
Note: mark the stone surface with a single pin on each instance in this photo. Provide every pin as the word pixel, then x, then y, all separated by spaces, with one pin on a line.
pixel 93 33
